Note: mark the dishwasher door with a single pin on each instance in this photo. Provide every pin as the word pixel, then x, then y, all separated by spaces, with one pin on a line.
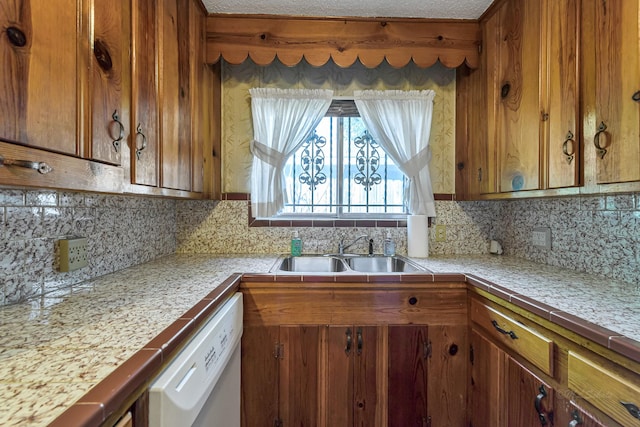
pixel 201 386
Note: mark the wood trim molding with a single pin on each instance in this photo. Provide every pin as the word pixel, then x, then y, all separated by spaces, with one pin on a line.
pixel 344 40
pixel 333 223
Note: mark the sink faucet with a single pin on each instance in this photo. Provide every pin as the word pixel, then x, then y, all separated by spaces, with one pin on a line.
pixel 342 246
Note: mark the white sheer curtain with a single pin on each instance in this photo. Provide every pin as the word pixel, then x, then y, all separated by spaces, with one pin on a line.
pixel 282 119
pixel 401 123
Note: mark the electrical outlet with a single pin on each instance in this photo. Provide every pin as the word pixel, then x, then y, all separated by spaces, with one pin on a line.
pixel 541 237
pixel 73 253
pixel 441 233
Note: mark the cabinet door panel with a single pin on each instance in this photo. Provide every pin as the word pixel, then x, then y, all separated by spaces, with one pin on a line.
pixel 299 375
pixel 108 92
pixel 259 375
pixel 407 376
pixel 519 105
pixel 525 393
pixel 563 150
pixel 447 377
pixel 617 46
pixel 144 121
pixel 38 82
pixel 175 102
pixel 339 375
pixel 487 383
pixel 568 412
pixel 366 384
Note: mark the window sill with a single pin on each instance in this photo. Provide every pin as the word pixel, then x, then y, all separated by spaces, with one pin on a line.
pixel 325 222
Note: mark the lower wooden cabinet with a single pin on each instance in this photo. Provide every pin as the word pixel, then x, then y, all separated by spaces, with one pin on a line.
pixel 361 373
pixel 503 392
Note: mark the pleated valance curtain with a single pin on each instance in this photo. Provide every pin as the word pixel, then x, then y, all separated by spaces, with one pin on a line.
pixel 401 123
pixel 282 120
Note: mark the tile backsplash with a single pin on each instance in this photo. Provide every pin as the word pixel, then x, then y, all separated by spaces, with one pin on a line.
pixel 121 231
pixel 595 234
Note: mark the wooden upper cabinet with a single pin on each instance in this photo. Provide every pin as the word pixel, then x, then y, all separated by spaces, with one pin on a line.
pixel 518 88
pixel 561 105
pixel 39 78
pixel 613 130
pixel 108 80
pixel 144 113
pixel 175 95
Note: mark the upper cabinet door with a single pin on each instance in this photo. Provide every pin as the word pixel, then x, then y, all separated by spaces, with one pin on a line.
pixel 175 94
pixel 518 89
pixel 108 80
pixel 144 84
pixel 560 39
pixel 39 77
pixel 615 132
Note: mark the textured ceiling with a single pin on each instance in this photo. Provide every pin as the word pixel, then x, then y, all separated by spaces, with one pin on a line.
pixel 453 9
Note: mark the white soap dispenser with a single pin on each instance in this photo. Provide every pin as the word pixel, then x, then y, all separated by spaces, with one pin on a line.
pixel 389 246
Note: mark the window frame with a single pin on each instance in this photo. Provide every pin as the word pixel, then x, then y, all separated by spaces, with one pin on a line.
pixel 340 213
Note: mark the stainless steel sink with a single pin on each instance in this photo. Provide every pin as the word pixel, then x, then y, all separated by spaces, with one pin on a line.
pixel 312 264
pixel 346 264
pixel 382 264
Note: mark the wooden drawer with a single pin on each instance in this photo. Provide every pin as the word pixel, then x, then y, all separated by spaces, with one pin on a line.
pixel 523 340
pixel 605 389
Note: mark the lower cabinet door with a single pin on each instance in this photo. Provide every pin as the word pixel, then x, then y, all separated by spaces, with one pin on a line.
pixel 298 380
pixel 408 353
pixel 569 414
pixel 528 399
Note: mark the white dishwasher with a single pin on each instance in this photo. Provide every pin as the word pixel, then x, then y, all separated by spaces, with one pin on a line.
pixel 201 386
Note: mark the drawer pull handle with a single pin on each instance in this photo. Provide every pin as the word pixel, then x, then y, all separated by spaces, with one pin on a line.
pixel 575 419
pixel 116 142
pixel 565 149
pixel 596 140
pixel 347 348
pixel 359 335
pixel 633 409
pixel 41 167
pixel 144 141
pixel 538 405
pixel 511 334
pixel 636 96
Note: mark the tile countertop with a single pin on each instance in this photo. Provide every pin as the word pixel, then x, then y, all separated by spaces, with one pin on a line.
pixel 55 348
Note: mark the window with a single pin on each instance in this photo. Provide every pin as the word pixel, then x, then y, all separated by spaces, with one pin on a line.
pixel 340 170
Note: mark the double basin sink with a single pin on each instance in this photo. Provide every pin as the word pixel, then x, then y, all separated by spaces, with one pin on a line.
pixel 346 264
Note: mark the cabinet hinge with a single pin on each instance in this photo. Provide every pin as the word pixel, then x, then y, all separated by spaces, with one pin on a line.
pixel 427 349
pixel 278 351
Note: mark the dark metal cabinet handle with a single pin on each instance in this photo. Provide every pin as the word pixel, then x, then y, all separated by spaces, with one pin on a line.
pixel 116 142
pixel 347 347
pixel 538 405
pixel 41 167
pixel 634 411
pixel 565 147
pixel 596 140
pixel 511 334
pixel 575 419
pixel 636 96
pixel 360 342
pixel 144 141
